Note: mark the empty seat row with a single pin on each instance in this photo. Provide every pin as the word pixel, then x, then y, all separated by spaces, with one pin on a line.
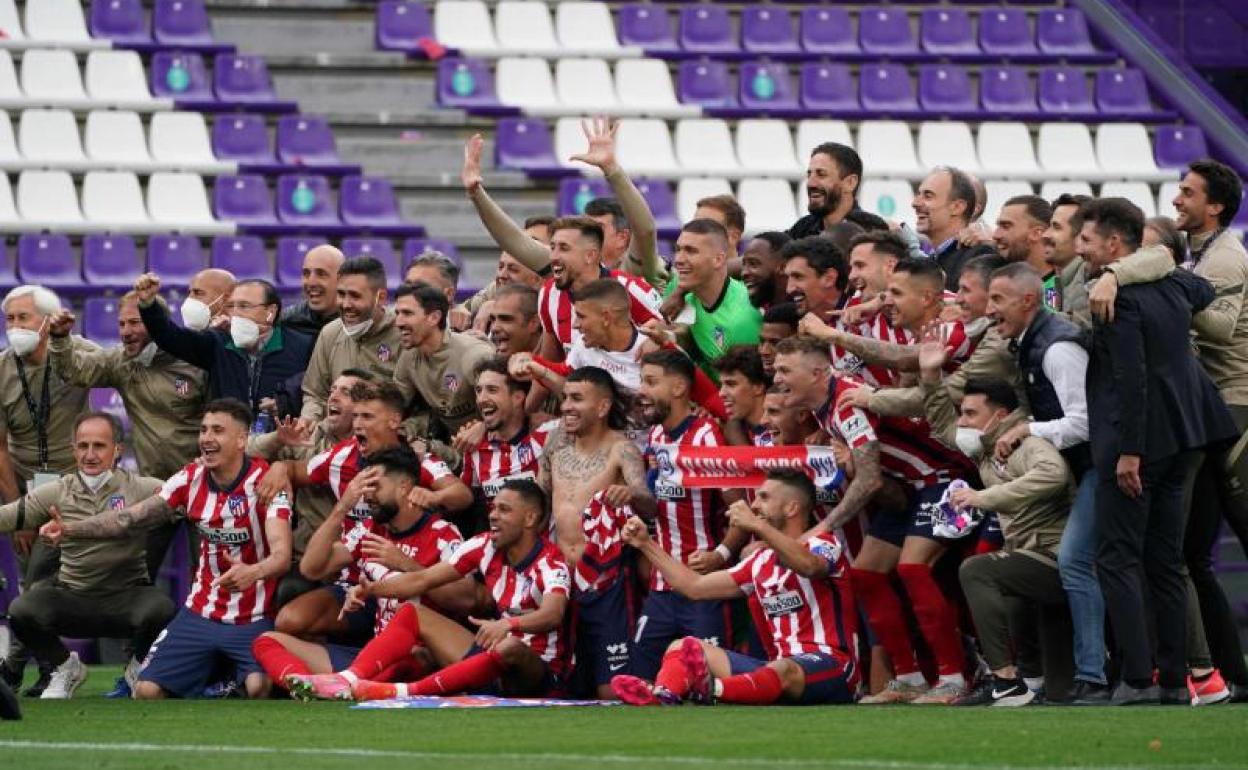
pixel 112 201
pixel 235 81
pixel 701 146
pixel 58 23
pixel 51 78
pixel 306 202
pixel 520 27
pixel 180 24
pixel 112 139
pixel 643 86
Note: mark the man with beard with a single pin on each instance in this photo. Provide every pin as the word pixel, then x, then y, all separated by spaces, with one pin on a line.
pixel 398 537
pixel 515 327
pixel 762 269
pixel 1061 253
pixel 1019 237
pixel 742 385
pixel 944 206
pixel 816 276
pixel 319 280
pixel 364 336
pixel 833 174
pixel 779 323
pixel 596 479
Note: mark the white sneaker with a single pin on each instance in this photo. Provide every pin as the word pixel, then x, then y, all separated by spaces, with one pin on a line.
pixel 131 674
pixel 66 678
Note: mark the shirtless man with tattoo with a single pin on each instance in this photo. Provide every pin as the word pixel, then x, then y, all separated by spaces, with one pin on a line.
pixel 596 479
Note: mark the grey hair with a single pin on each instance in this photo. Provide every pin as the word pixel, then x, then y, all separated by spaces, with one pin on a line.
pixel 448 269
pixel 46 301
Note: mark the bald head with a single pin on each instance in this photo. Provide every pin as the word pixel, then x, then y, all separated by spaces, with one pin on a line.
pixel 211 286
pixel 320 278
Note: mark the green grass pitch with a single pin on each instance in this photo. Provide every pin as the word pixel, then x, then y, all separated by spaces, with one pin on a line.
pixel 99 734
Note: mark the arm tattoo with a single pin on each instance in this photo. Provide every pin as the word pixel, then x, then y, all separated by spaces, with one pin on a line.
pixel 633 469
pixel 862 487
pixel 902 358
pixel 116 523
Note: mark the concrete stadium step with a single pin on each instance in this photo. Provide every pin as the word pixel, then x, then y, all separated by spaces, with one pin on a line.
pixel 274 33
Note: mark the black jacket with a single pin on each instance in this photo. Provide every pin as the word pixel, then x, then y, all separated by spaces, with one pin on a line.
pixel 812 224
pixel 282 361
pixel 1148 395
pixel 956 256
pixel 303 319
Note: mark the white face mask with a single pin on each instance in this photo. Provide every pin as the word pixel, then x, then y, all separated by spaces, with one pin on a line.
pixel 195 314
pixel 244 331
pixel 147 354
pixel 23 341
pixel 94 483
pixel 970 441
pixel 358 330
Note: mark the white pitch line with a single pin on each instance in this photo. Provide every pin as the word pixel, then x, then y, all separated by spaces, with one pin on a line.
pixel 619 759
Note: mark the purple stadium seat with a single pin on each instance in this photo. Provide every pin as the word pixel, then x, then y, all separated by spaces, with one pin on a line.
pixel 290 253
pixel 110 261
pixel 827 30
pixel 99 321
pixel 244 199
pixel 175 258
pixel 768 30
pixel 705 83
pixel 1006 91
pixel 466 83
pixel 242 255
pixel 1177 146
pixel 1213 35
pixel 1122 92
pixel 121 21
pixel 662 202
pixel 767 87
pixel 414 247
pixel 1168 21
pixel 182 23
pixel 304 140
pixel 829 88
pixel 886 32
pixel 647 26
pixel 946 88
pixel 1062 32
pixel 8 271
pixel 707 29
pixel 241 138
pixel 575 193
pixel 49 260
pixel 380 249
pixel 401 23
pixel 1006 32
pixel 306 200
pixel 369 202
pixel 947 32
pixel 886 88
pixel 525 144
pixel 1064 90
pixel 242 79
pixel 180 76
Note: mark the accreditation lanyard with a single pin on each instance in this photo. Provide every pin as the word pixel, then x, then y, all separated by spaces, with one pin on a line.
pixel 41 411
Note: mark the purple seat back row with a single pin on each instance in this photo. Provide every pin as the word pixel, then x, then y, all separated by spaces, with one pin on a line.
pixel 236 78
pixel 306 199
pixel 173 23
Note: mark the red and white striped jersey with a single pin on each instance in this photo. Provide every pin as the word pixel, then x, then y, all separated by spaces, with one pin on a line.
pixel 877 327
pixel 599 565
pixel 909 452
pixel 688 520
pixel 518 590
pixel 803 614
pixel 231 526
pixel 554 305
pixel 850 425
pixel 495 460
pixel 431 540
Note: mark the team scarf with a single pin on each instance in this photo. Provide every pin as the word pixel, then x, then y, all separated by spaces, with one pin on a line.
pixel 737 467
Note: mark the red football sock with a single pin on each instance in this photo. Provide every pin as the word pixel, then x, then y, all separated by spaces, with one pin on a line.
pixel 884 613
pixel 393 645
pixel 761 686
pixel 408 670
pixel 277 661
pixel 673 676
pixel 937 617
pixel 471 673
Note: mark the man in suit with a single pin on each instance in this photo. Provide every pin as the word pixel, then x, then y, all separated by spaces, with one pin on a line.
pixel 1151 408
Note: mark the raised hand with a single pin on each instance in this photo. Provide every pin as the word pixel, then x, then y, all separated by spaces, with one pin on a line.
pixel 635 532
pixel 53 530
pixel 61 324
pixel 743 517
pixel 146 287
pixel 600 133
pixel 520 366
pixel 292 432
pixel 470 173
pixel 469 436
pixel 932 348
pixel 816 327
pixel 274 482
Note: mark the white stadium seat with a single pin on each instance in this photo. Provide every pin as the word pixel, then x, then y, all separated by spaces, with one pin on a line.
pixel 56 22
pixel 51 77
pixel 1165 199
pixel 50 138
pixel 812 133
pixel 464 24
pixel 587 28
pixel 999 192
pixel 526 83
pixel 768 204
pixel 10 92
pixel 1052 189
pixel 47 199
pixel 117 78
pixel 1124 150
pixel 524 29
pixel 1138 193
pixel 113 200
pixel 570 140
pixel 644 147
pixel 765 148
pixel 9 156
pixel 887 149
pixel 585 86
pixel 8 210
pixel 10 24
pixel 1005 149
pixel 178 201
pixel 644 87
pixel 115 138
pixel 690 191
pixel 948 144
pixel 704 146
pixel 179 140
pixel 889 198
pixel 1065 150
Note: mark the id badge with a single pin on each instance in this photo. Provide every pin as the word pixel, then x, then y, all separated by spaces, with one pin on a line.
pixel 43 478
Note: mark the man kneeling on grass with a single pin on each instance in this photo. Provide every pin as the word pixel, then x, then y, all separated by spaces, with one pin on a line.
pixel 526 649
pixel 801 587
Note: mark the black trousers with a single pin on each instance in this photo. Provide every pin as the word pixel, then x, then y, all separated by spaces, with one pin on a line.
pixel 49 610
pixel 1140 568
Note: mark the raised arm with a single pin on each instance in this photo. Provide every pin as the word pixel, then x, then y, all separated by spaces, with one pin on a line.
pixel 791 552
pixel 325 554
pixel 509 237
pixel 82 367
pixel 195 348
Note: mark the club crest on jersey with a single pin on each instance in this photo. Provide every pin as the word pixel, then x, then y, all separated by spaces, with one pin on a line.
pixel 450 382
pixel 237 505
pixel 181 386
pixel 524 454
pixel 384 354
pixel 117 503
